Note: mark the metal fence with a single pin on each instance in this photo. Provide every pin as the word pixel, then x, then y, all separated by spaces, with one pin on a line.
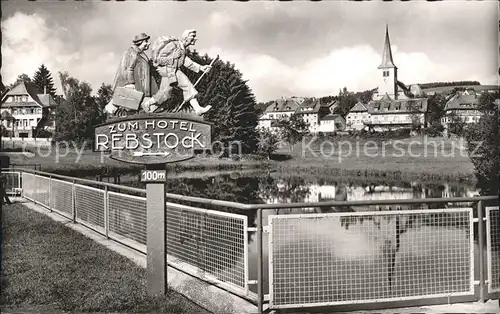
pixel 208 244
pixel 345 258
pixel 493 248
pixel 211 243
pixel 12 182
pixel 314 259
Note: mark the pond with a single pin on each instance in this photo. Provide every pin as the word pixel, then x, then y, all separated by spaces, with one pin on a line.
pixel 387 256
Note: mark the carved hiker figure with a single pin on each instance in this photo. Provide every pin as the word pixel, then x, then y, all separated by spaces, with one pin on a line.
pixel 169 54
pixel 134 74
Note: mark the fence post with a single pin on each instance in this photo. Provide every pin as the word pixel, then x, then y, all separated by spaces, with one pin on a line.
pixel 50 193
pixel 480 231
pixel 106 212
pixel 260 277
pixel 73 201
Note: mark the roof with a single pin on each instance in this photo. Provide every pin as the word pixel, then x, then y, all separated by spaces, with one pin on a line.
pixel 462 101
pixel 283 105
pixel 359 107
pixel 47 100
pixel 387 61
pixel 332 105
pixel 7 116
pixel 385 106
pixel 29 88
pixel 416 90
pixel 336 117
pixel 309 105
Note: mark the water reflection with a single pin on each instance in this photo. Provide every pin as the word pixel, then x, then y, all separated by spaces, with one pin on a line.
pixel 392 256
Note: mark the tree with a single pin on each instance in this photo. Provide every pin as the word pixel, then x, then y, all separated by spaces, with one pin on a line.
pixel 347 100
pixel 268 143
pixel 484 144
pixel 456 125
pixel 436 105
pixel 43 80
pixel 233 112
pixel 365 96
pixel 104 95
pixel 77 115
pixel 293 130
pixel 21 78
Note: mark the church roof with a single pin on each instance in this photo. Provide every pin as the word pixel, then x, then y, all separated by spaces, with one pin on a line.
pixel 386 106
pixel 387 61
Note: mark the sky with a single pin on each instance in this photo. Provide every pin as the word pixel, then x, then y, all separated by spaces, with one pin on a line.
pixel 283 49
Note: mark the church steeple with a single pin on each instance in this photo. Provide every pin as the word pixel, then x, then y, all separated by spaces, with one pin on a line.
pixel 387 61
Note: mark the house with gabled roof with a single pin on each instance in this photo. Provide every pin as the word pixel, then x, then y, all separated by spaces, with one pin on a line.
pixel 464 106
pixel 358 117
pixel 31 109
pixel 278 109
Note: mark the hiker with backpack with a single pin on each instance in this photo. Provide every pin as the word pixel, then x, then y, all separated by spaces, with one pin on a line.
pixel 169 54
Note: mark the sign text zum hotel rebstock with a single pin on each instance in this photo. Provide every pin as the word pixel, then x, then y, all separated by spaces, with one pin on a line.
pixel 152 140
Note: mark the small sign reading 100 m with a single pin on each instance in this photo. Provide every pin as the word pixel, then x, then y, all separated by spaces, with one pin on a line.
pixel 153 176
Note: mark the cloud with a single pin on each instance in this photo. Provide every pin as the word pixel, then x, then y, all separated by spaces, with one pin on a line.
pixel 278 47
pixel 352 67
pixel 28 42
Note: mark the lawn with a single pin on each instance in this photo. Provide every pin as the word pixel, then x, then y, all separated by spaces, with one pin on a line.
pixel 47 267
pixel 411 158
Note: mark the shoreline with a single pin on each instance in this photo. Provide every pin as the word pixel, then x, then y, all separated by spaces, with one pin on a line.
pixel 358 171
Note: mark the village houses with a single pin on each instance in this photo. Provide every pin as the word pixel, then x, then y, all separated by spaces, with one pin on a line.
pixel 318 117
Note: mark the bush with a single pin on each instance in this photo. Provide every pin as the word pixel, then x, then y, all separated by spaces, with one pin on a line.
pixel 434 130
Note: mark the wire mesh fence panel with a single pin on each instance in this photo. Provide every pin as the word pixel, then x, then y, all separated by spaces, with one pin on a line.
pixel 12 182
pixel 493 248
pixel 42 192
pixel 341 258
pixel 89 206
pixel 127 219
pixel 213 243
pixel 61 197
pixel 28 185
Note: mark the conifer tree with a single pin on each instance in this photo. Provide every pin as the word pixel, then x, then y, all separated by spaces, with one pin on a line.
pixel 234 111
pixel 43 79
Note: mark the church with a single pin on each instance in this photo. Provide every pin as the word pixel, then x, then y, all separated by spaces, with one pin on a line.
pixel 394 104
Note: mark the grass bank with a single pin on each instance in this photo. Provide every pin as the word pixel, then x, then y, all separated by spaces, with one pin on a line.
pixel 429 159
pixel 47 267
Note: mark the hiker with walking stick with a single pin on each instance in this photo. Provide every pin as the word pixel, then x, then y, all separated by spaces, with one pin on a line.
pixel 168 55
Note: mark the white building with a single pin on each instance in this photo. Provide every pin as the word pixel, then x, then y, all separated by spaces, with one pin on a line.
pixel 30 108
pixel 463 105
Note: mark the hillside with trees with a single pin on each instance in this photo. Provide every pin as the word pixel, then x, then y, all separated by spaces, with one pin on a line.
pixel 448 84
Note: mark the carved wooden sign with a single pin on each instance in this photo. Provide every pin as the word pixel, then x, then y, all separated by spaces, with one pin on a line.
pixel 153 138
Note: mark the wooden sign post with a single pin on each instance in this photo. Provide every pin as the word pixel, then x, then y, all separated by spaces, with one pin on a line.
pixel 154 140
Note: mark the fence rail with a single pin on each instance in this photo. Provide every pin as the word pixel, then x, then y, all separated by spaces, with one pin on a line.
pixel 313 259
